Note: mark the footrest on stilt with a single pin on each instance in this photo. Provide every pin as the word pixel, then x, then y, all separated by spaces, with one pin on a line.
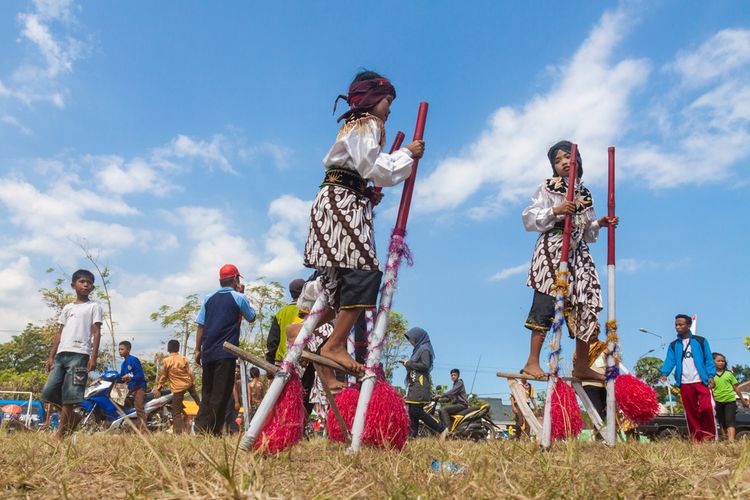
pixel 250 358
pixel 532 377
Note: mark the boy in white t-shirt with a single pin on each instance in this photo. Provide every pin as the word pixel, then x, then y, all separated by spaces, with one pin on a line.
pixel 74 351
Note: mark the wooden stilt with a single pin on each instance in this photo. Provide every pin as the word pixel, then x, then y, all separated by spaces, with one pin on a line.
pixel 540 379
pixel 334 407
pixel 251 358
pixel 522 401
pixel 596 420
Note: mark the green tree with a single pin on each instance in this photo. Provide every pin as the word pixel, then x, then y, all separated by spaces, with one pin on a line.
pixel 27 351
pixel 741 373
pixel 648 369
pixel 58 296
pixel 180 320
pixel 32 380
pixel 266 297
pixel 396 343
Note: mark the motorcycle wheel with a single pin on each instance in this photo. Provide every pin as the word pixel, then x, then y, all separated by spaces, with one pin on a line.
pixel 90 422
pixel 159 420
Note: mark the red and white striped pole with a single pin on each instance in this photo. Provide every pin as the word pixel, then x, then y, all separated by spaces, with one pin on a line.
pixel 612 344
pixel 377 339
pixel 561 284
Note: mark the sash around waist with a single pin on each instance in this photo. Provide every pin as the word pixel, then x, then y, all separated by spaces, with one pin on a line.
pixel 346 178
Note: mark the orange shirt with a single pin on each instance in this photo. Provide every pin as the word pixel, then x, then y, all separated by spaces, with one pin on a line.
pixel 176 369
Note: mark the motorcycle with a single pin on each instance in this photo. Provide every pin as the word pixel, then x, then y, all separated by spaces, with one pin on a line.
pixel 472 423
pixel 99 412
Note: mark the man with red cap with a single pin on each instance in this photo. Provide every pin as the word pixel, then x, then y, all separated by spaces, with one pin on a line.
pixel 219 321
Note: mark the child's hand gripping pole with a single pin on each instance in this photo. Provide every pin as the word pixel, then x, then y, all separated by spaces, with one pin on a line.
pixel 318 310
pixel 612 343
pixel 561 292
pixel 396 251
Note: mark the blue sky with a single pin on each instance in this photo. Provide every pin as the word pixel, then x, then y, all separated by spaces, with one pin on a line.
pixel 177 136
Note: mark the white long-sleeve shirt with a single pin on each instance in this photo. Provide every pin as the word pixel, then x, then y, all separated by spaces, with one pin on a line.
pixel 359 149
pixel 538 215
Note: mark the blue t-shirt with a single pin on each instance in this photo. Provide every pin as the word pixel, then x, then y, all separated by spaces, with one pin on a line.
pixel 221 315
pixel 132 365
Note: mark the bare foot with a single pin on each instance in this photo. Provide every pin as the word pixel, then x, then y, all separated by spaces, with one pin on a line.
pixel 534 370
pixel 587 374
pixel 329 380
pixel 339 355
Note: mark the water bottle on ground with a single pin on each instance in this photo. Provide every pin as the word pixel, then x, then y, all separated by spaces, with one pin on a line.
pixel 447 466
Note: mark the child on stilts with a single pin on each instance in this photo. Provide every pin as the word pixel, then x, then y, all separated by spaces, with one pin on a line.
pixel 340 243
pixel 546 214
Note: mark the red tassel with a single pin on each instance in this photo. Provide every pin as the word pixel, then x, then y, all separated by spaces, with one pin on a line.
pixel 387 422
pixel 287 420
pixel 565 413
pixel 636 399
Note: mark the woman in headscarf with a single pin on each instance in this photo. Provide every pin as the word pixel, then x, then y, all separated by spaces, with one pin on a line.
pixel 340 243
pixel 419 383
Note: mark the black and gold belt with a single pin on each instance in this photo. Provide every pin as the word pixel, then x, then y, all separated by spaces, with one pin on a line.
pixel 343 177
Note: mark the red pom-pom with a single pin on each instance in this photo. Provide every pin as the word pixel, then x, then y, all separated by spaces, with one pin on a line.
pixel 346 401
pixel 286 423
pixel 387 422
pixel 636 399
pixel 564 412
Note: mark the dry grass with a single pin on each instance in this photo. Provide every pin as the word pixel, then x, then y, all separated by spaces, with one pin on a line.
pixel 165 466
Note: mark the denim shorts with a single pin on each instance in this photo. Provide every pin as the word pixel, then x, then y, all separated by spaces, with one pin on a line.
pixel 67 379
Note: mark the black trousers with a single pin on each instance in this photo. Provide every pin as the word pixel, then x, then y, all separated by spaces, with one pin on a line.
pixel 218 382
pixel 417 414
pixel 448 410
pixel 598 397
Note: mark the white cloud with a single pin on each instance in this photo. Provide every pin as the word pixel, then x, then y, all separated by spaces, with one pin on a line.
pixel 12 121
pixel 135 176
pixel 721 54
pixel 19 299
pixel 709 133
pixel 285 238
pixel 51 220
pixel 48 28
pixel 510 271
pixel 213 153
pixel 630 265
pixel 588 104
pixel 278 153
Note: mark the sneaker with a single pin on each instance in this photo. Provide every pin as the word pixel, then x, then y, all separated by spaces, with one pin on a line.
pixel 444 434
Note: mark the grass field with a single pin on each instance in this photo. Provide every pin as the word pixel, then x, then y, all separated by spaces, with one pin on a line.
pixel 165 466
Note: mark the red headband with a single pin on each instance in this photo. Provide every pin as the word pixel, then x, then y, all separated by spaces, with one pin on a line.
pixel 365 95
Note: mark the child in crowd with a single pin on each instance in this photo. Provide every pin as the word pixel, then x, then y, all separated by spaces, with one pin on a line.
pixel 131 372
pixel 546 214
pixel 175 370
pixel 219 321
pixel 726 394
pixel 256 389
pixel 340 242
pixel 74 351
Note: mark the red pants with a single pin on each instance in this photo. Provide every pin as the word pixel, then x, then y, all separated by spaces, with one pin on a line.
pixel 699 411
